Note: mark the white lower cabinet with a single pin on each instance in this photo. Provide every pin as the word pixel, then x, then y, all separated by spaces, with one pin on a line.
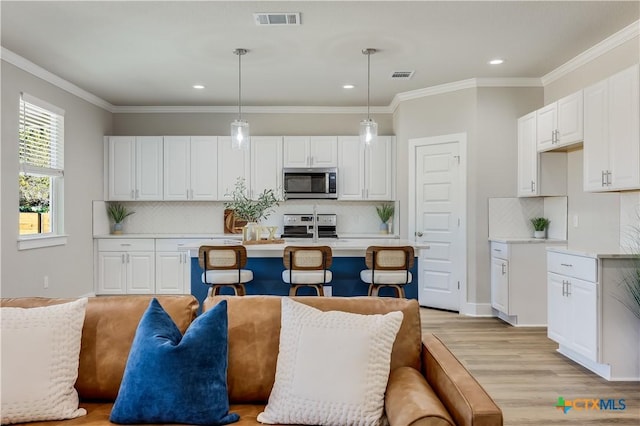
pixel 173 267
pixel 586 316
pixel 126 266
pixel 518 290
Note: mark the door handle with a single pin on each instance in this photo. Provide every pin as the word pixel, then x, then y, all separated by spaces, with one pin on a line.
pixel 608 177
pixel 504 269
pixel 602 179
pixel 419 234
pixel 568 287
pixel 563 284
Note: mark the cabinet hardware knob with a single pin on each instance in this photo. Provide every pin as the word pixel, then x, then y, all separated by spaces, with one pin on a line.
pixel 568 265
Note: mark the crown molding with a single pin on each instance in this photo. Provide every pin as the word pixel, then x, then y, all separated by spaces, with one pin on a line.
pixel 508 82
pixel 36 70
pixel 627 33
pixel 431 91
pixel 248 109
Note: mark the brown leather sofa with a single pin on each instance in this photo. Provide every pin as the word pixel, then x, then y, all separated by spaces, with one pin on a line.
pixel 427 384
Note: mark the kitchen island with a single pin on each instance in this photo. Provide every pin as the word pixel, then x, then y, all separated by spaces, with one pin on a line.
pixel 265 260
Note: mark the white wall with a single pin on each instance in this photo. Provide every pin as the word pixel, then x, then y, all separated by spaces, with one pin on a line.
pixel 69 267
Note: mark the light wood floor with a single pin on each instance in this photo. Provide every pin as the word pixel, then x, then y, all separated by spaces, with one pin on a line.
pixel 524 374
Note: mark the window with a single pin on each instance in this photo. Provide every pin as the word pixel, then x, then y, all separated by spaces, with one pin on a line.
pixel 41 173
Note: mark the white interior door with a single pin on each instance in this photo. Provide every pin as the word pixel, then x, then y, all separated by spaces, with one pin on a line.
pixel 437 174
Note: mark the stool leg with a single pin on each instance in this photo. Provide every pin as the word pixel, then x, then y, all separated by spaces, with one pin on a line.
pixel 240 290
pixel 320 290
pixel 374 290
pixel 401 292
pixel 293 290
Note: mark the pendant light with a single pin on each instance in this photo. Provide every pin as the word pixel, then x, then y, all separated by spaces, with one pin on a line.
pixel 240 133
pixel 368 127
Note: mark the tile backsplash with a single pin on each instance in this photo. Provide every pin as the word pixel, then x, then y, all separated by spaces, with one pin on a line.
pixel 510 217
pixel 201 217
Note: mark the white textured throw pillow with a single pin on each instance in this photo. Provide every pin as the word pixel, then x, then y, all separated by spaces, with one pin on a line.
pixel 40 357
pixel 332 368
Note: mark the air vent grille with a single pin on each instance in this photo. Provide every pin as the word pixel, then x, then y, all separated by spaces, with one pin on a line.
pixel 277 18
pixel 401 75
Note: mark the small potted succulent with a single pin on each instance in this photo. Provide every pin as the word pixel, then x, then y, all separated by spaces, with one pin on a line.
pixel 540 225
pixel 385 213
pixel 118 213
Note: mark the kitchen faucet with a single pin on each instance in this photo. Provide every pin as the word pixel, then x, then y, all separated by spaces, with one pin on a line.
pixel 315 223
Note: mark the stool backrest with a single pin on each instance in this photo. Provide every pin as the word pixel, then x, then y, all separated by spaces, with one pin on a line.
pixel 307 258
pixel 389 258
pixel 222 257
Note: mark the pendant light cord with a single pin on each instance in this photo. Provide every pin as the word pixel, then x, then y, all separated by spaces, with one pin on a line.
pixel 239 86
pixel 368 82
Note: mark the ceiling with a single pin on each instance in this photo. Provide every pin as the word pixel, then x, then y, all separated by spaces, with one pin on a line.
pixel 152 53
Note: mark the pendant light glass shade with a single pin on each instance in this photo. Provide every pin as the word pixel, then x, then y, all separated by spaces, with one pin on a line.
pixel 368 127
pixel 240 132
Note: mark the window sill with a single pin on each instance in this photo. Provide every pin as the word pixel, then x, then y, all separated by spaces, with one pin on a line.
pixel 28 243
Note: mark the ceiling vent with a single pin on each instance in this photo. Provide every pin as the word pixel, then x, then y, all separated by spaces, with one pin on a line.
pixel 277 18
pixel 402 75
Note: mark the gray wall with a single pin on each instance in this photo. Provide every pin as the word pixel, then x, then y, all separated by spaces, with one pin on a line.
pixel 488 116
pixel 598 213
pixel 69 267
pixel 261 124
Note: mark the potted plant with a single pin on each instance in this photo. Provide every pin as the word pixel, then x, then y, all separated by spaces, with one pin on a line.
pixel 118 212
pixel 385 212
pixel 252 211
pixel 540 225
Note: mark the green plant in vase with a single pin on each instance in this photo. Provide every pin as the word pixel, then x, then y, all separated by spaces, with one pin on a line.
pixel 251 210
pixel 118 213
pixel 540 225
pixel 385 212
pixel 631 277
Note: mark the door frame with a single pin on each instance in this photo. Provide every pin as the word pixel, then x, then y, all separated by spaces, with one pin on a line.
pixel 461 139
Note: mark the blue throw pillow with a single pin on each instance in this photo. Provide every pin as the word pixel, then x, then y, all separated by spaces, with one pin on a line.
pixel 170 378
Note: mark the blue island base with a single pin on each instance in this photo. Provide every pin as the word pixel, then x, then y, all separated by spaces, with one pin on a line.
pixel 267 279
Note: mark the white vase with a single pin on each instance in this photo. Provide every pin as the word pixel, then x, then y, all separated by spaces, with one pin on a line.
pixel 250 231
pixel 539 234
pixel 117 228
pixel 383 228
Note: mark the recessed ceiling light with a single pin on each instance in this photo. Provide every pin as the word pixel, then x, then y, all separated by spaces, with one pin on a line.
pixel 496 61
pixel 198 86
pixel 348 86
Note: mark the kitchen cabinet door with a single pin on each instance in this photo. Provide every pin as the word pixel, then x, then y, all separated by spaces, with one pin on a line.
pixel 122 168
pixel 558 309
pixel 612 133
pixel 177 167
pixel 232 164
pixel 583 317
pixel 546 125
pixel 266 164
pixel 323 151
pixel 500 285
pixel 112 275
pixel 203 168
pixel 379 169
pixel 173 272
pixel 140 267
pixel 569 119
pixel 149 168
pixel 351 168
pixel 527 156
pixel 296 151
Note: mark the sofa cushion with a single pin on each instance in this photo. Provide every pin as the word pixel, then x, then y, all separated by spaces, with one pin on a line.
pixel 171 378
pixel 254 330
pixel 40 355
pixel 109 326
pixel 332 366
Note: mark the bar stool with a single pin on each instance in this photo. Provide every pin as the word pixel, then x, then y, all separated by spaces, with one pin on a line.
pixel 222 266
pixel 307 266
pixel 388 267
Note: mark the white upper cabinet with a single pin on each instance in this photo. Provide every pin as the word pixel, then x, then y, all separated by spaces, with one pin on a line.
pixel 365 174
pixel 539 173
pixel 266 164
pixel 190 168
pixel 232 164
pixel 527 156
pixel 310 151
pixel 135 168
pixel 612 133
pixel 561 123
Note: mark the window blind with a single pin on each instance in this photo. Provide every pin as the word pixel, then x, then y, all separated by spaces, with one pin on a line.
pixel 41 133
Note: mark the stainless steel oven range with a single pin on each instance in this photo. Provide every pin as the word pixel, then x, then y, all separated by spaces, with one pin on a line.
pixel 302 225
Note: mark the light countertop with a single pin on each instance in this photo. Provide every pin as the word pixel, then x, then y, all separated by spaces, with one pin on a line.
pixel 596 254
pixel 509 240
pixel 235 236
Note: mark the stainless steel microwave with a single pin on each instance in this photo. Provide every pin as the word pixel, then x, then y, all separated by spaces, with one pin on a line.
pixel 314 182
